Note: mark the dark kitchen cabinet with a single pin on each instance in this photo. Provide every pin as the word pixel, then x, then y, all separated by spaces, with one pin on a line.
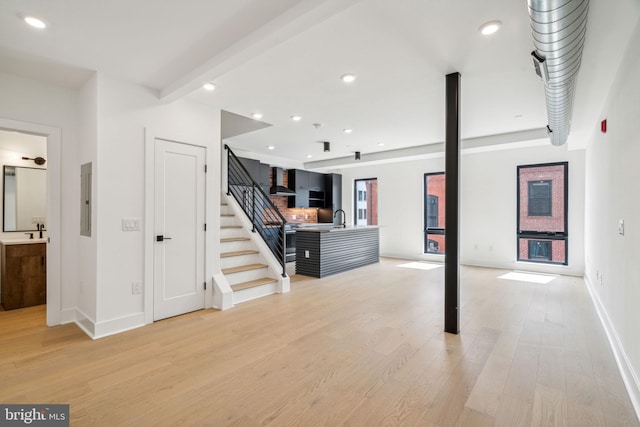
pixel 264 178
pixel 311 189
pixel 316 181
pixel 333 191
pixel 252 167
pixel 298 180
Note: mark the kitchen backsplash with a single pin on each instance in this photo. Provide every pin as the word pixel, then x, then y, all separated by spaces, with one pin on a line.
pixel 309 215
pixel 300 214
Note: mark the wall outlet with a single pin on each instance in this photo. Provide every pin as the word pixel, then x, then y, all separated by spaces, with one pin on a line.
pixel 306 254
pixel 136 288
pixel 293 216
pixel 621 227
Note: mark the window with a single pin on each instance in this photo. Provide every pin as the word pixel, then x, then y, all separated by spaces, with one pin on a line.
pixel 539 198
pixel 542 213
pixel 434 205
pixel 366 202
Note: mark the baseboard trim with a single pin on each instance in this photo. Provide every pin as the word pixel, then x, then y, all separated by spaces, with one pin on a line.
pixel 85 323
pixel 120 324
pixel 68 315
pixel 624 364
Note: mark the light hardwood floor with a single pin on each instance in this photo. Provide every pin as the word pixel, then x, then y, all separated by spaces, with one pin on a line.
pixel 362 348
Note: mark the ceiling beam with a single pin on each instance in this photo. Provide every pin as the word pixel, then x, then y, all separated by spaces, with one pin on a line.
pixel 525 138
pixel 301 17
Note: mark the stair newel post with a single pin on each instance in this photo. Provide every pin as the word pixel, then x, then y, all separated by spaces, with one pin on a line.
pixel 228 168
pixel 253 207
pixel 284 249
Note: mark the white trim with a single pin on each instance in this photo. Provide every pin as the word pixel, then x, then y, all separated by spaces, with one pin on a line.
pixel 624 364
pixel 150 137
pixel 149 173
pixel 84 322
pixel 54 146
pixel 120 324
pixel 68 315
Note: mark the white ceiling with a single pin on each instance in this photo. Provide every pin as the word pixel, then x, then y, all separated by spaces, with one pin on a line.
pixel 285 57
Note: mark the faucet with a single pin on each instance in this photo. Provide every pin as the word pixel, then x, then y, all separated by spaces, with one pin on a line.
pixel 41 229
pixel 344 217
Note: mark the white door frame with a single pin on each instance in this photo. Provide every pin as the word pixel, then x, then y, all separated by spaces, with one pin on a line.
pixel 54 147
pixel 149 209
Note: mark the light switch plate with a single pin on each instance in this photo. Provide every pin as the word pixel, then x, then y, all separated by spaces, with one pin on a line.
pixel 621 227
pixel 130 224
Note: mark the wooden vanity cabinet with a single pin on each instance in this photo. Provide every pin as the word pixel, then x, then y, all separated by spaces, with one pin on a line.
pixel 24 275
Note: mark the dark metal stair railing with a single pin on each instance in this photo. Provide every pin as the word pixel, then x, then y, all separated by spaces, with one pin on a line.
pixel 265 217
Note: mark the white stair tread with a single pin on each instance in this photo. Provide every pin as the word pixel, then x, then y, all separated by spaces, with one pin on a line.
pixel 253 283
pixel 230 226
pixel 234 239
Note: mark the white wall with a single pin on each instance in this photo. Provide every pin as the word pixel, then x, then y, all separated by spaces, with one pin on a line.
pixel 31 101
pixel 87 245
pixel 125 113
pixel 488 206
pixel 612 177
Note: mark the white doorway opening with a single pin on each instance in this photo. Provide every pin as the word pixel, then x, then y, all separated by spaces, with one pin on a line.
pixel 53 204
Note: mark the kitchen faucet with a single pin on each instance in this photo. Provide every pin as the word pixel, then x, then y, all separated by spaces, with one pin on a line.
pixel 344 217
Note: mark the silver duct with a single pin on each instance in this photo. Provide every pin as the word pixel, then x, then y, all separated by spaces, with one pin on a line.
pixel 558 28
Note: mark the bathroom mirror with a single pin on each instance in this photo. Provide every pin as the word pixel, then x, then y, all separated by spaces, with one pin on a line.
pixel 25 196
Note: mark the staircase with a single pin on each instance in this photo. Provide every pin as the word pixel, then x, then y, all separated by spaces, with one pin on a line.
pixel 244 267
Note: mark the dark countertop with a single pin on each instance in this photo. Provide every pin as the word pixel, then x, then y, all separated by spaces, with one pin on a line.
pixel 333 228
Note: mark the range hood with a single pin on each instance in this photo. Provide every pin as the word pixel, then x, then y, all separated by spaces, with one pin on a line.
pixel 277 189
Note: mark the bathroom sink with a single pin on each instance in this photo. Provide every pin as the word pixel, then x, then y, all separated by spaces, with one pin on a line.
pixel 21 240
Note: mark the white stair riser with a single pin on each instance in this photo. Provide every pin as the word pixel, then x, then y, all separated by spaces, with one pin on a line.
pixel 246 276
pixel 236 261
pixel 226 209
pixel 236 246
pixel 231 232
pixel 253 293
pixel 229 220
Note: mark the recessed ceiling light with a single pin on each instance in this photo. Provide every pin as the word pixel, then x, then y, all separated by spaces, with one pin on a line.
pixel 380 144
pixel 348 78
pixel 347 130
pixel 490 27
pixel 296 118
pixel 257 116
pixel 35 22
pixel 271 147
pixel 209 86
pixel 309 156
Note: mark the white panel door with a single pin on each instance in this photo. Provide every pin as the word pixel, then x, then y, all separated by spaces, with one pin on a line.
pixel 179 253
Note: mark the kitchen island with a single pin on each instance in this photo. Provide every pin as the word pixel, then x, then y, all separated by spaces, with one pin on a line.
pixel 324 251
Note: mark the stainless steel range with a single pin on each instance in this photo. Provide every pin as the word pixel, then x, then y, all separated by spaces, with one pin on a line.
pixel 290 240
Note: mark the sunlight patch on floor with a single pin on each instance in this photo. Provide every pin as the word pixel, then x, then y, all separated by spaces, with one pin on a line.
pixel 420 265
pixel 528 277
